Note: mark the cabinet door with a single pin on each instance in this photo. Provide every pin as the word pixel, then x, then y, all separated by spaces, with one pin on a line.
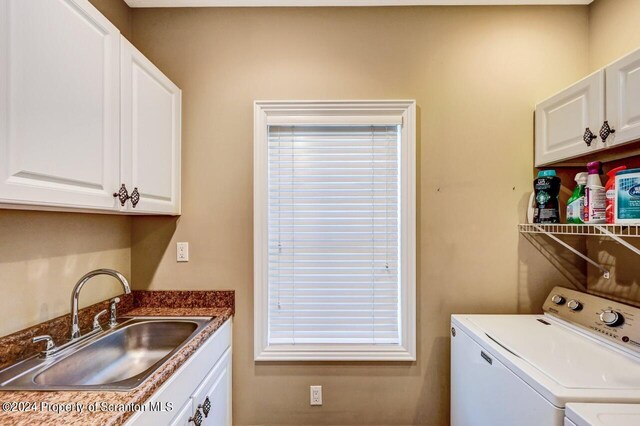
pixel 561 121
pixel 151 130
pixel 216 389
pixel 623 99
pixel 59 107
pixel 183 418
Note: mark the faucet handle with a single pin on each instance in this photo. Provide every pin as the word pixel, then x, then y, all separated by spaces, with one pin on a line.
pixel 96 319
pixel 112 308
pixel 49 346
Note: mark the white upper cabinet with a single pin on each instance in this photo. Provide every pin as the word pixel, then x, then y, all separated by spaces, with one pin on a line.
pixel 623 99
pixel 150 120
pixel 59 105
pixel 82 113
pixel 563 120
pixel 603 108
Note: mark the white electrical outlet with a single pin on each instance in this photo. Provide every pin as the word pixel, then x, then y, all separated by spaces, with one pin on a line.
pixel 316 395
pixel 182 252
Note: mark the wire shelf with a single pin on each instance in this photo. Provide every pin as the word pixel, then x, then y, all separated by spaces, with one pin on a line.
pixel 631 231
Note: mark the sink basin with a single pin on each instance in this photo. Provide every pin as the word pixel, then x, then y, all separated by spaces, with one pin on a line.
pixel 121 355
pixel 118 359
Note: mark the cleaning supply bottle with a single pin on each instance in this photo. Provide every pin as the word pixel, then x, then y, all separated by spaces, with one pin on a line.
pixel 628 197
pixel 547 188
pixel 610 193
pixel 595 201
pixel 575 205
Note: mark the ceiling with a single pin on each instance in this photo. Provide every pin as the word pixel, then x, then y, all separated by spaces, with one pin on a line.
pixel 307 3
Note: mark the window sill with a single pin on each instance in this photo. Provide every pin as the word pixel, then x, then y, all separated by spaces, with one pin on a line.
pixel 310 353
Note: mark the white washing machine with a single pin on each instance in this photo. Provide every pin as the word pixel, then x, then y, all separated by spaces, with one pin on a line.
pixel 581 414
pixel 523 369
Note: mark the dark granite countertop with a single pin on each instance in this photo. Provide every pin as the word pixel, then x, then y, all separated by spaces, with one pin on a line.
pixel 61 407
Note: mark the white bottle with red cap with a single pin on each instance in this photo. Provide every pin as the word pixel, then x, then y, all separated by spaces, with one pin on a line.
pixel 595 200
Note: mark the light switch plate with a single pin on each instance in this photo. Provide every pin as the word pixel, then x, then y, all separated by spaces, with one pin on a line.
pixel 182 252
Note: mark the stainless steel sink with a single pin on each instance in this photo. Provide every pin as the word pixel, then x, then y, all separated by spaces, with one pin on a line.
pixel 117 359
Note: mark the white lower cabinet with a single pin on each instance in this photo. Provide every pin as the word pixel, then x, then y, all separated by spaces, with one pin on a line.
pixel 185 415
pixel 212 399
pixel 199 392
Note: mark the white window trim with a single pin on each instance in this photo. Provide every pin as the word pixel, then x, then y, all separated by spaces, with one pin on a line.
pixel 344 112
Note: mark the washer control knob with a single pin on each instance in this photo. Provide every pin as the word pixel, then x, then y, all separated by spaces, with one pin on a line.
pixel 574 305
pixel 558 300
pixel 611 318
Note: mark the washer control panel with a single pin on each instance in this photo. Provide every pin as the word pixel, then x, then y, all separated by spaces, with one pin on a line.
pixel 611 320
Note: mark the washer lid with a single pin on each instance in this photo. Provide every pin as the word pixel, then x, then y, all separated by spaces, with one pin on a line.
pixel 604 414
pixel 565 356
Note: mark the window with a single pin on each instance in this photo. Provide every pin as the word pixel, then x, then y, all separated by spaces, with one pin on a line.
pixel 334 230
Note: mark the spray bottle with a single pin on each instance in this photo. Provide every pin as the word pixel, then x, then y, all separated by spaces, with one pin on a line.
pixel 575 205
pixel 595 201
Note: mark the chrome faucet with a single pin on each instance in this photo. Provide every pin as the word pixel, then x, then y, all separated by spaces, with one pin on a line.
pixel 75 327
pixel 51 348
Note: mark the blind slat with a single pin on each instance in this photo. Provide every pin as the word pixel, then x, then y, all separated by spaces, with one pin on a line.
pixel 333 234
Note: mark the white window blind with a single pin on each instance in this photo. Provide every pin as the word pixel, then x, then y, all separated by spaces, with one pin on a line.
pixel 333 234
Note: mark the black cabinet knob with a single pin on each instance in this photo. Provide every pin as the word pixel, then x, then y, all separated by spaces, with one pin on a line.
pixel 197 418
pixel 588 137
pixel 135 197
pixel 206 407
pixel 122 195
pixel 605 131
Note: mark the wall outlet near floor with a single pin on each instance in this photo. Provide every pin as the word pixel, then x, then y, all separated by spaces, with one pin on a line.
pixel 316 395
pixel 182 252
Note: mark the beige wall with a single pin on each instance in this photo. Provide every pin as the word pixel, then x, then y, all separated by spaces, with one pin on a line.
pixel 476 74
pixel 43 254
pixel 613 30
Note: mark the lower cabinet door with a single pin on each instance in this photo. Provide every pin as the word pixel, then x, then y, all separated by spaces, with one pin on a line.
pixel 213 397
pixel 184 415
